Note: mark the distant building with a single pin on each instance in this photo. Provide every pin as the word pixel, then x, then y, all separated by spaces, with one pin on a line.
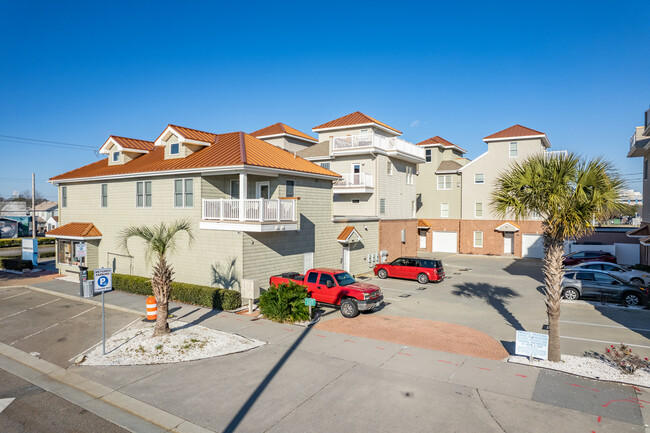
pixel 47 209
pixel 14 209
pixel 52 223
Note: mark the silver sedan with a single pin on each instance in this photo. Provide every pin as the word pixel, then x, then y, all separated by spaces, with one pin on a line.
pixel 637 277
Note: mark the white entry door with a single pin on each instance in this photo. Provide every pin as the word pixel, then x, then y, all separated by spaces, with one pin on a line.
pixel 508 243
pixel 345 260
pixel 423 239
pixel 444 242
pixel 263 190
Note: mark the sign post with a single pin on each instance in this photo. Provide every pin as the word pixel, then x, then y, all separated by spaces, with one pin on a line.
pixel 103 283
pixel 310 302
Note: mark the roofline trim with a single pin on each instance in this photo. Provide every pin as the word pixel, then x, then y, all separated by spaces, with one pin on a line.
pixel 521 137
pixel 473 161
pixel 454 146
pixel 262 137
pixel 122 148
pixel 181 138
pixel 332 128
pixel 74 238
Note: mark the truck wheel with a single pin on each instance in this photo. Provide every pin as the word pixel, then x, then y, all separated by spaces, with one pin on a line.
pixel 349 308
pixel 423 278
pixel 382 273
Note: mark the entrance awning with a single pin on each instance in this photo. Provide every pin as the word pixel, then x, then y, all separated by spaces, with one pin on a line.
pixel 422 224
pixel 640 232
pixel 507 227
pixel 75 231
pixel 349 235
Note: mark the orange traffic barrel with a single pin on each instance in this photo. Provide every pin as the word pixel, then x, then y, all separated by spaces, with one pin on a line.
pixel 151 308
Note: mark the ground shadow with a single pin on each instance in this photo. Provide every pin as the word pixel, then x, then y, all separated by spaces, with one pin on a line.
pixel 495 296
pixel 527 267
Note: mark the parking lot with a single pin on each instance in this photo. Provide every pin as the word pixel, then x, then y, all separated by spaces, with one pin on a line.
pixel 499 295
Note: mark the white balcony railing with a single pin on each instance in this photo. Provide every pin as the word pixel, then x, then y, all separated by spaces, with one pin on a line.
pixel 368 141
pixel 260 210
pixel 554 153
pixel 355 180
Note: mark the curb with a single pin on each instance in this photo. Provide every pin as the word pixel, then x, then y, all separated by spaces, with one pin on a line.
pixel 92 396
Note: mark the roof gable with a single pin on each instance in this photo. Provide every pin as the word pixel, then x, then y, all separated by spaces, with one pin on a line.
pixel 186 135
pixel 514 131
pixel 439 141
pixel 349 234
pixel 126 144
pixel 75 231
pixel 352 119
pixel 507 227
pixel 279 129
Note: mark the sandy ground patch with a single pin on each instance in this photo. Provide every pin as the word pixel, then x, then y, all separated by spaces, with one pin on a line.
pixel 136 346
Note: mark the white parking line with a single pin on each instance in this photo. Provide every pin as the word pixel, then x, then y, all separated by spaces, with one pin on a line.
pixel 605 326
pixel 51 326
pixel 398 290
pixel 13 296
pixel 27 309
pixel 602 341
pixel 100 342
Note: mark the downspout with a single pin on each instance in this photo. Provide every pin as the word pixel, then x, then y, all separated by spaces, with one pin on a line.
pixel 460 219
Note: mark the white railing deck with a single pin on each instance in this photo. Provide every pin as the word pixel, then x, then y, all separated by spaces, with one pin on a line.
pixel 355 180
pixel 554 153
pixel 259 210
pixel 366 141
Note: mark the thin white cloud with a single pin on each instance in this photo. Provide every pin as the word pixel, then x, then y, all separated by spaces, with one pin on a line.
pixel 415 123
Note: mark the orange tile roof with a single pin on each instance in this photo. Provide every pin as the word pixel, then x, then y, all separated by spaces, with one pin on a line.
pixel 423 224
pixel 514 131
pixel 279 129
pixel 231 149
pixel 132 143
pixel 191 134
pixel 439 140
pixel 77 230
pixel 345 234
pixel 356 118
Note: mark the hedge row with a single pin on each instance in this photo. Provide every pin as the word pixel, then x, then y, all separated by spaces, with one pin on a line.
pixel 16 242
pixel 14 263
pixel 205 296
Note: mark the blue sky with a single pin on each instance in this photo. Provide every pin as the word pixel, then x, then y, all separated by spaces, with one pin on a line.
pixel 76 72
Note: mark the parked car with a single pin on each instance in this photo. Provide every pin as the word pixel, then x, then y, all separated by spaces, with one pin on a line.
pixel 579 283
pixel 335 287
pixel 632 275
pixel 412 268
pixel 587 256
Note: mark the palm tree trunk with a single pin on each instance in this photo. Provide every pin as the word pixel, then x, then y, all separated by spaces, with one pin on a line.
pixel 161 284
pixel 553 269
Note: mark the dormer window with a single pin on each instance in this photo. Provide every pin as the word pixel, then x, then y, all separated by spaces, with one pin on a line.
pixel 116 156
pixel 173 149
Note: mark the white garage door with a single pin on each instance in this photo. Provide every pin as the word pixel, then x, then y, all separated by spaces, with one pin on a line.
pixel 532 246
pixel 445 242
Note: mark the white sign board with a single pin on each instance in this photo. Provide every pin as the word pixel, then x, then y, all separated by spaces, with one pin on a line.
pixel 80 249
pixel 103 280
pixel 28 246
pixel 532 344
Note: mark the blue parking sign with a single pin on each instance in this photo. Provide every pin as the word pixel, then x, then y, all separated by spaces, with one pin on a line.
pixel 103 280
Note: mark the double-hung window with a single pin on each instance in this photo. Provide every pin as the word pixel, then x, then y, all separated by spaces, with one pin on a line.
pixel 173 149
pixel 409 175
pixel 478 210
pixel 478 239
pixel 513 149
pixel 444 182
pixel 116 156
pixel 382 205
pixel 444 210
pixel 143 194
pixel 427 153
pixel 389 168
pixel 479 178
pixel 325 165
pixel 183 192
pixel 291 186
pixel 64 196
pixel 104 194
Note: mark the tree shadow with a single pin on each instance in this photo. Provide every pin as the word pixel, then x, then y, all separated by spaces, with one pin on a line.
pixel 225 276
pixel 495 296
pixel 527 267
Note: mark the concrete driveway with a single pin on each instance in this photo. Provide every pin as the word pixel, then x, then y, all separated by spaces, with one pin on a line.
pixel 499 295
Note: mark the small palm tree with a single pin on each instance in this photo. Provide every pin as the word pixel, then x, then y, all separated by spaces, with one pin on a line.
pixel 569 194
pixel 159 240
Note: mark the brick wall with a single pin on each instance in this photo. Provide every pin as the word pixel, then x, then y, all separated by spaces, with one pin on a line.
pixel 390 237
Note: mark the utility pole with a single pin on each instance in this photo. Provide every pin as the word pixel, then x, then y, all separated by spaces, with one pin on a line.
pixel 33 205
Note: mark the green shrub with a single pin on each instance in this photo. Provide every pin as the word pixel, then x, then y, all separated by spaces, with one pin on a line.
pixel 205 296
pixel 285 303
pixel 15 264
pixel 17 242
pixel 48 254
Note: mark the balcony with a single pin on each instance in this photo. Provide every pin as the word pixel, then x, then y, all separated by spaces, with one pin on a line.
pixel 249 215
pixel 364 143
pixel 555 153
pixel 355 183
pixel 638 143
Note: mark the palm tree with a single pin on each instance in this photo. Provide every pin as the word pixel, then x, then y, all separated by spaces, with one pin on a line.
pixel 159 241
pixel 569 194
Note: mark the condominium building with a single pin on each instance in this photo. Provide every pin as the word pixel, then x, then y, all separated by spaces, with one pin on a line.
pixel 640 148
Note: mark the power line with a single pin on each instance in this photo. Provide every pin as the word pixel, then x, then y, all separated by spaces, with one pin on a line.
pixel 47 141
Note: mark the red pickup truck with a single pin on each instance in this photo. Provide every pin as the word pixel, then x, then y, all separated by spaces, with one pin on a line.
pixel 335 287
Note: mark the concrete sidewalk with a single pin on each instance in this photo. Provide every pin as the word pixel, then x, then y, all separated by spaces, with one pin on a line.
pixel 308 378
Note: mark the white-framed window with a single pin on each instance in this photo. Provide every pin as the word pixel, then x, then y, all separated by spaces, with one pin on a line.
pixel 143 194
pixel 382 205
pixel 427 153
pixel 104 195
pixel 513 149
pixel 478 239
pixel 290 188
pixel 409 175
pixel 183 192
pixel 325 165
pixel 356 201
pixel 444 210
pixel 174 149
pixel 389 168
pixel 116 156
pixel 67 251
pixel 64 196
pixel 478 210
pixel 479 178
pixel 234 188
pixel 444 182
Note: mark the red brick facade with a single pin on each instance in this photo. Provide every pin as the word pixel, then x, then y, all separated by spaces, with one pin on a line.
pixel 390 238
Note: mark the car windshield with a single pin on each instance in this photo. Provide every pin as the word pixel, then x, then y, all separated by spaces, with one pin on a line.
pixel 343 279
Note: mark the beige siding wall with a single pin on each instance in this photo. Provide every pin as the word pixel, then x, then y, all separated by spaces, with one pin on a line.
pixel 492 164
pixel 399 195
pixel 645 209
pixel 342 203
pixel 429 197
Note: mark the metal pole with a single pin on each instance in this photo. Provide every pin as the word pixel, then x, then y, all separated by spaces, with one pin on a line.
pixel 103 327
pixel 33 205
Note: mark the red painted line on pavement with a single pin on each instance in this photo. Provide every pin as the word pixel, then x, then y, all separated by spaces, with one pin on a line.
pixel 350 341
pixel 600 418
pixel 259 323
pixel 625 399
pixel 580 386
pixel 483 368
pixel 318 335
pixel 287 329
pixel 636 388
pixel 407 354
pixel 380 348
pixel 446 362
pixel 520 375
